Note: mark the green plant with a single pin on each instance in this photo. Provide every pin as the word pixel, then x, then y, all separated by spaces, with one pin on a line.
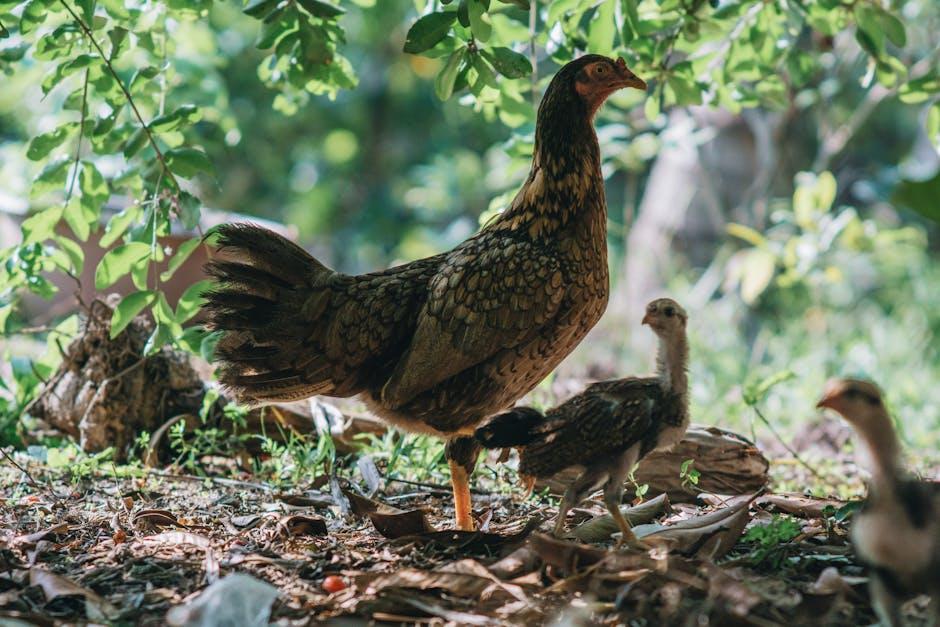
pixel 689 475
pixel 770 543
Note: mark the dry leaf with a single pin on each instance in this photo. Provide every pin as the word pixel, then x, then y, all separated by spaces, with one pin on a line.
pixel 799 505
pixel 155 518
pixel 309 499
pixel 390 521
pixel 603 527
pixel 53 586
pixel 711 535
pixel 30 540
pixel 300 525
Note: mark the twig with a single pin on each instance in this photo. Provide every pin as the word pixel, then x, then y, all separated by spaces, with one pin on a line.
pixel 431 486
pixel 127 94
pixel 81 134
pixel 790 450
pixel 29 478
pixel 231 483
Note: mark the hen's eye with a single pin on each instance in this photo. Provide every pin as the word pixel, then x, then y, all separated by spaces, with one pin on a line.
pixel 600 69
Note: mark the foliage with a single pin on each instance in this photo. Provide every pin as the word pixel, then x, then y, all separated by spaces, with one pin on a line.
pixel 129 119
pixel 770 542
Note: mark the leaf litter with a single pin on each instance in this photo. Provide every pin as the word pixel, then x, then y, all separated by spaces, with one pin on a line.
pixel 163 549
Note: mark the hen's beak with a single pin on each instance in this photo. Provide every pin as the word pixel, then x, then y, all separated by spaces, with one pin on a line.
pixel 830 395
pixel 628 78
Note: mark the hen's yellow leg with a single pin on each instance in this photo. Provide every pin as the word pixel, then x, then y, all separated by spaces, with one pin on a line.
pixel 460 480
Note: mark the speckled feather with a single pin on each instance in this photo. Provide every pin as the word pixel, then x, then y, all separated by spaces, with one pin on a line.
pixel 605 420
pixel 438 344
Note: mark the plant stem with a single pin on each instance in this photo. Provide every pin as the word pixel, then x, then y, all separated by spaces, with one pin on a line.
pixel 790 450
pixel 127 94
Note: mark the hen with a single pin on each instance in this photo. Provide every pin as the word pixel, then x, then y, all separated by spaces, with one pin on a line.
pixel 897 531
pixel 609 427
pixel 438 344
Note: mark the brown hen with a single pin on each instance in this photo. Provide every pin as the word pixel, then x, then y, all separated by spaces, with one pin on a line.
pixel 438 344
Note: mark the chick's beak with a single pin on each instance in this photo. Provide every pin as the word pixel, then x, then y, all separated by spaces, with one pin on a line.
pixel 628 78
pixel 830 395
pixel 647 319
pixel 825 401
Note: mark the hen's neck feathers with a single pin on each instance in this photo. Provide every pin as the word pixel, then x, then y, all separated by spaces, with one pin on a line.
pixel 672 364
pixel 883 451
pixel 565 180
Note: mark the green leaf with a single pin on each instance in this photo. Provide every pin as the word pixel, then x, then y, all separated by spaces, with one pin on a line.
pixel 160 336
pixel 74 251
pixel 485 74
pixel 93 185
pixel 135 142
pixel 65 69
pixel 181 255
pixel 127 310
pixel 78 219
pixel 185 115
pixel 191 300
pixel 187 162
pixel 33 15
pixel 509 63
pixel 117 262
pixel 758 270
pixel 921 196
pixel 480 24
pixel 933 124
pixel 88 11
pixel 892 27
pixel 118 224
pixel 42 145
pixel 746 233
pixel 52 177
pixel 260 8
pixel 321 9
pixel 602 29
pixel 428 30
pixel 40 226
pixel 444 82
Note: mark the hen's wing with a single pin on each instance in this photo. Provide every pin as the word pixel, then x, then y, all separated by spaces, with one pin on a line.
pixel 492 293
pixel 606 419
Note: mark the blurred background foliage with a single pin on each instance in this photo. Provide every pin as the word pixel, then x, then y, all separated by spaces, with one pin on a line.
pixel 779 178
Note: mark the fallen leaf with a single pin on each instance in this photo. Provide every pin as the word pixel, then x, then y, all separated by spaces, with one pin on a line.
pixel 155 518
pixel 30 540
pixel 54 586
pixel 309 499
pixel 389 521
pixel 711 535
pixel 301 525
pixel 603 527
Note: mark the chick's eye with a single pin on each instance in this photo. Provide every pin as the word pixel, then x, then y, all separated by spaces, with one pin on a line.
pixel 600 69
pixel 670 312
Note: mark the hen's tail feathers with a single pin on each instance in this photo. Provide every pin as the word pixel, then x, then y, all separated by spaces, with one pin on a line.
pixel 516 427
pixel 268 295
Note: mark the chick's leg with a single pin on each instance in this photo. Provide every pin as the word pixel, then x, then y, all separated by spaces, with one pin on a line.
pixel 461 454
pixel 613 494
pixel 885 602
pixel 575 493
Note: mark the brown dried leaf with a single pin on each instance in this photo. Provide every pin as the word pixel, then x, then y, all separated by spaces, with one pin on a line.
pixel 458 584
pixel 53 586
pixel 155 519
pixel 799 505
pixel 710 536
pixel 602 528
pixel 563 554
pixel 30 540
pixel 301 525
pixel 310 499
pixel 390 521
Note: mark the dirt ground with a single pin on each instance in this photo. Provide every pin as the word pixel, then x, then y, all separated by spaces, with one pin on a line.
pixel 143 548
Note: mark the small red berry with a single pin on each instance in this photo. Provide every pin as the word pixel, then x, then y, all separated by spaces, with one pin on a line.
pixel 334 584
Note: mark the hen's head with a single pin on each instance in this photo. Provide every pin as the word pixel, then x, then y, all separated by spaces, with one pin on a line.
pixel 666 317
pixel 858 401
pixel 584 84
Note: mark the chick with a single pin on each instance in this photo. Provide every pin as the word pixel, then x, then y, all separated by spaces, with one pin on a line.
pixel 897 531
pixel 605 430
